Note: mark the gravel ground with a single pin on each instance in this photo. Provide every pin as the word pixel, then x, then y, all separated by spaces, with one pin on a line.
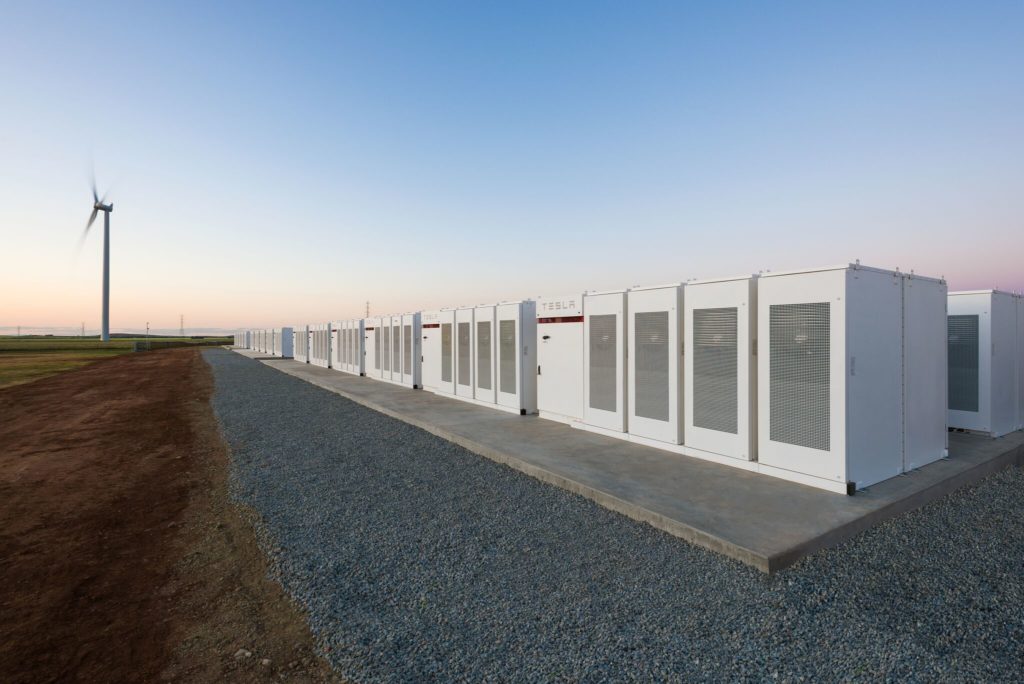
pixel 420 561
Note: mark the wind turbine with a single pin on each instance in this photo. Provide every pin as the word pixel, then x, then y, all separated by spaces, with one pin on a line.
pixel 98 206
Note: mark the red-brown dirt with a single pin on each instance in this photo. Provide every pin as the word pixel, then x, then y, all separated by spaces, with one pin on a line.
pixel 122 558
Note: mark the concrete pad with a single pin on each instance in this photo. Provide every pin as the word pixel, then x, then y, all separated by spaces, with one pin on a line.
pixel 760 520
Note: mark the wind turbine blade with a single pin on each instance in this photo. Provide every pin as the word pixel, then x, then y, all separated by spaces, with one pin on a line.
pixel 85 233
pixel 92 180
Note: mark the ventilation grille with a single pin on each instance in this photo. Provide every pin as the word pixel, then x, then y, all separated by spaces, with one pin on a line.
pixel 963 363
pixel 464 358
pixel 651 388
pixel 715 366
pixel 483 355
pixel 387 347
pixel 799 381
pixel 446 352
pixel 396 349
pixel 376 348
pixel 507 356
pixel 407 348
pixel 603 362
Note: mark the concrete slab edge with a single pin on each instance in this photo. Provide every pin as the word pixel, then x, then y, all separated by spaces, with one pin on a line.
pixel 838 535
pixel 630 510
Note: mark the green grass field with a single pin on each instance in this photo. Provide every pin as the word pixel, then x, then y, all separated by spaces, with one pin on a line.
pixel 24 359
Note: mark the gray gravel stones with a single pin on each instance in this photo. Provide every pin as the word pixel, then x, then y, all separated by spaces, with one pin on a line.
pixel 420 561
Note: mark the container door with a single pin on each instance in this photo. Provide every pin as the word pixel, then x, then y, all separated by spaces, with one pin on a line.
pixel 484 354
pixel 409 351
pixel 560 357
pixel 655 364
pixel 801 373
pixel 371 337
pixel 719 368
pixel 385 348
pixel 396 348
pixel 447 351
pixel 925 374
pixel 1020 363
pixel 464 353
pixel 968 330
pixel 509 363
pixel 1004 364
pixel 431 364
pixel 604 361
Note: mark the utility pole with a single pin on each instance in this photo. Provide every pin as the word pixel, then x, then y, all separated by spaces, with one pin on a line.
pixel 148 346
pixel 181 330
pixel 19 331
pixel 83 329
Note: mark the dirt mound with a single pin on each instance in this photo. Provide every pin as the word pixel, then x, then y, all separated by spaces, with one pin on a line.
pixel 122 557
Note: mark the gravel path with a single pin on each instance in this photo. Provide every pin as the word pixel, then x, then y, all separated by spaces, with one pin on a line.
pixel 420 561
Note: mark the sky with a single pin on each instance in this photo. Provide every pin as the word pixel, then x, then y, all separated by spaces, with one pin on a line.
pixel 275 164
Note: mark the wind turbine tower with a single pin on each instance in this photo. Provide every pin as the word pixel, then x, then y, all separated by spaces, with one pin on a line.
pixel 99 205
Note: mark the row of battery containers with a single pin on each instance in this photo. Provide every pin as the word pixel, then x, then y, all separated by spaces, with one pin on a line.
pixel 273 341
pixel 986 361
pixel 484 354
pixel 835 378
pixel 392 349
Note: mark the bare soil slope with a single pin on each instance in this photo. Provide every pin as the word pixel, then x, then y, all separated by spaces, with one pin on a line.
pixel 121 556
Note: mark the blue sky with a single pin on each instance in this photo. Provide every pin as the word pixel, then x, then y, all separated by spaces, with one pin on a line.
pixel 276 164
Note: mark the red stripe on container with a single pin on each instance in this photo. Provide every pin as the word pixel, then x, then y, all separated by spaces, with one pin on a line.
pixel 561 319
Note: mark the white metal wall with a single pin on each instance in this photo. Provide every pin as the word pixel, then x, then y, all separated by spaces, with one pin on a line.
pixel 604 360
pixel 655 387
pixel 992 373
pixel 464 358
pixel 925 389
pixel 559 338
pixel 721 367
pixel 411 333
pixel 801 419
pixel 516 356
pixel 438 351
pixel 371 346
pixel 484 389
pixel 1020 362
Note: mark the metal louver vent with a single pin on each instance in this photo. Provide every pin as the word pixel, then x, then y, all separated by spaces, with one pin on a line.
pixel 464 357
pixel 483 355
pixel 603 362
pixel 446 352
pixel 962 331
pixel 651 390
pixel 800 352
pixel 376 348
pixel 715 366
pixel 507 356
pixel 386 330
pixel 396 349
pixel 407 349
